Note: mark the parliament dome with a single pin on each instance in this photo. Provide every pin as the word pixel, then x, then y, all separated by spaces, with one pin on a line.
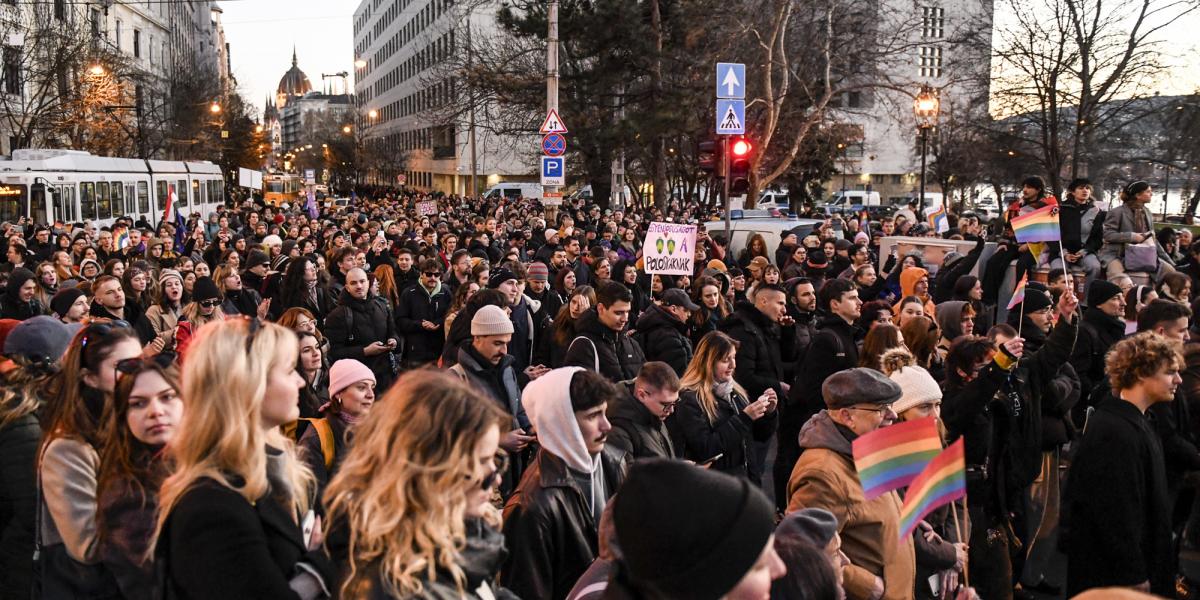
pixel 294 82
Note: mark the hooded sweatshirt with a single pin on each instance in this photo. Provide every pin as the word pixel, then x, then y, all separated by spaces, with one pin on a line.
pixel 908 283
pixel 949 319
pixel 547 402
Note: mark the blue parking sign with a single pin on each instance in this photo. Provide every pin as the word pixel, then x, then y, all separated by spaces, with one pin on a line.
pixel 554 171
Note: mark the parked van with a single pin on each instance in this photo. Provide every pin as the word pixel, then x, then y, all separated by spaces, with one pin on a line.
pixel 514 190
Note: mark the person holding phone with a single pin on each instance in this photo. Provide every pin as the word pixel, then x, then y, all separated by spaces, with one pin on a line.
pixel 715 423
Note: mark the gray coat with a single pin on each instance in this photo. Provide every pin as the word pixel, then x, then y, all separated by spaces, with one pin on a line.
pixel 1119 231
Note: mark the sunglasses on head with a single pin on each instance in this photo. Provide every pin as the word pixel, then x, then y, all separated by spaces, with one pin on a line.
pixel 133 366
pixel 101 329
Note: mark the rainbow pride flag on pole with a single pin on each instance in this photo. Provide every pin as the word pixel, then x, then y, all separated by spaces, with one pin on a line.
pixel 942 482
pixel 121 237
pixel 938 220
pixel 888 459
pixel 1018 293
pixel 1040 225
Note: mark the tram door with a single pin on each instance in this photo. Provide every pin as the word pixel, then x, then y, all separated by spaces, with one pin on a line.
pixel 38 204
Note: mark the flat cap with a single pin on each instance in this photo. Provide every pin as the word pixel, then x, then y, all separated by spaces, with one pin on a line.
pixel 859 386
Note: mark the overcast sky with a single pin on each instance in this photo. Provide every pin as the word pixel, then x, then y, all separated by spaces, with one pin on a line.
pixel 261 34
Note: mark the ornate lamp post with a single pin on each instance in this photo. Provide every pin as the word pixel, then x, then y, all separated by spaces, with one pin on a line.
pixel 925 107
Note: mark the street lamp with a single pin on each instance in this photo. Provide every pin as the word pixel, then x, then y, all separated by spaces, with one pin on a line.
pixel 346 130
pixel 372 114
pixel 96 69
pixel 925 107
pixel 360 64
pixel 214 108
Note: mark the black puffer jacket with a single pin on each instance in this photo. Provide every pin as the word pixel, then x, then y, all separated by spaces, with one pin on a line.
pixel 1097 334
pixel 729 434
pixel 416 305
pixel 620 356
pixel 664 338
pixel 637 431
pixel 18 504
pixel 354 325
pixel 550 527
pixel 763 350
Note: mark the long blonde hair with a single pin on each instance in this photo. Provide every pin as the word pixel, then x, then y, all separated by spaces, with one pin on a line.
pixel 698 378
pixel 221 437
pixel 403 487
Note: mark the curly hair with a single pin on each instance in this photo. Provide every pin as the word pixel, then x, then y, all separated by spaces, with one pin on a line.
pixel 1138 357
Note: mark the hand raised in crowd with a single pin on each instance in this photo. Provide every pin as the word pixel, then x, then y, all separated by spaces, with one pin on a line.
pixel 264 308
pixel 1015 347
pixel 1068 303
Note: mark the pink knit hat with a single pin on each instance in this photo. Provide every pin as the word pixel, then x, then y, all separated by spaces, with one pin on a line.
pixel 347 372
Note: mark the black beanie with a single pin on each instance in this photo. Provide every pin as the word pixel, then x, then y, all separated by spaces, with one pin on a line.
pixel 1036 300
pixel 688 532
pixel 62 301
pixel 205 289
pixel 1101 291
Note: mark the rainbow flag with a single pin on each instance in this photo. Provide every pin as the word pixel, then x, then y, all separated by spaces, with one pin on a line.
pixel 942 482
pixel 121 237
pixel 1019 293
pixel 889 458
pixel 937 219
pixel 1040 225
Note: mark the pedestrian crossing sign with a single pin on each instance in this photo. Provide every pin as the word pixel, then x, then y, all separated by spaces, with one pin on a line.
pixel 731 117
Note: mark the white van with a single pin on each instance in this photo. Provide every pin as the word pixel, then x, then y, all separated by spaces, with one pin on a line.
pixel 515 190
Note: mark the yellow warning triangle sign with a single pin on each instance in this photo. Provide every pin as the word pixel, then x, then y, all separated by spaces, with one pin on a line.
pixel 553 123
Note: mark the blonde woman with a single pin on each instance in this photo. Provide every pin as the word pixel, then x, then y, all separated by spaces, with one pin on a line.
pixel 235 518
pixel 715 422
pixel 414 494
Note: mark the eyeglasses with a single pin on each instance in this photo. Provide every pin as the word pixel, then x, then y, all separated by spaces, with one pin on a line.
pixel 101 329
pixel 210 303
pixel 432 274
pixel 882 410
pixel 133 366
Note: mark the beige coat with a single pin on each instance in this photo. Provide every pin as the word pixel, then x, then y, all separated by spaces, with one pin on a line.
pixel 824 477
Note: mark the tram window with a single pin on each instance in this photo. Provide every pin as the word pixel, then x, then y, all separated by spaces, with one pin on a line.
pixel 200 193
pixel 37 204
pixel 64 203
pixel 103 201
pixel 118 199
pixel 143 197
pixel 181 192
pixel 161 191
pixel 87 200
pixel 220 185
pixel 12 201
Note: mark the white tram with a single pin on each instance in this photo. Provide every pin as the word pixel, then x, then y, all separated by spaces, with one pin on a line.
pixel 71 185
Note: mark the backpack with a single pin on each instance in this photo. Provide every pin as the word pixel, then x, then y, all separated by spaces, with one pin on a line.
pixel 325 435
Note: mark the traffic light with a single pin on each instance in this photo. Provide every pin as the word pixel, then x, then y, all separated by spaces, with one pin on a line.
pixel 740 150
pixel 709 153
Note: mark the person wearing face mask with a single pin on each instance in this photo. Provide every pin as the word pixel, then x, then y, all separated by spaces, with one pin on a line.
pixel 858 401
pixel 430 452
pixel 668 548
pixel 145 416
pixel 551 520
pixel 351 396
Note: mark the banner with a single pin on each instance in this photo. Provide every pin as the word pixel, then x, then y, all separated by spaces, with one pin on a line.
pixel 427 208
pixel 670 249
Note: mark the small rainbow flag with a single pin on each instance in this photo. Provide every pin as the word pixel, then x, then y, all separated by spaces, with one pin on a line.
pixel 942 482
pixel 1018 293
pixel 889 458
pixel 121 237
pixel 1040 225
pixel 938 221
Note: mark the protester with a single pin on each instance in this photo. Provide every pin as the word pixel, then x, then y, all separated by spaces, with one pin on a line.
pixel 602 345
pixel 662 330
pixel 421 315
pixel 429 530
pixel 351 395
pixel 363 328
pixel 638 417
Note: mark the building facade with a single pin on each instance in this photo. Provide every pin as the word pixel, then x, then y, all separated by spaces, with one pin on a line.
pixel 948 48
pixel 400 45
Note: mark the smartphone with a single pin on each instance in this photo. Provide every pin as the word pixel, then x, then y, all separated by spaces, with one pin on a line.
pixel 712 460
pixel 306 526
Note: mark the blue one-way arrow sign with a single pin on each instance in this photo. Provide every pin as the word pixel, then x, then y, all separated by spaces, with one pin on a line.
pixel 731 80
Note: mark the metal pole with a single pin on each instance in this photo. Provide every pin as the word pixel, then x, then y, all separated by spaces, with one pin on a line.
pixel 924 141
pixel 552 64
pixel 1166 190
pixel 471 134
pixel 725 174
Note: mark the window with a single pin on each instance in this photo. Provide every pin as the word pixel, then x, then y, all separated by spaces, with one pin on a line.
pixel 931 61
pixel 117 38
pixel 118 199
pixel 181 193
pixel 87 200
pixel 97 31
pixel 897 179
pixel 60 9
pixel 933 22
pixel 12 70
pixel 12 201
pixel 64 203
pixel 137 43
pixel 103 201
pixel 143 197
pixel 161 192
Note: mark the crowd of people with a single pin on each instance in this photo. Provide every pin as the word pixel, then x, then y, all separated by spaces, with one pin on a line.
pixel 498 401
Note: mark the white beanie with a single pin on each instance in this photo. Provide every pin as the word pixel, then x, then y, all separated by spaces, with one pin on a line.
pixel 916 387
pixel 491 320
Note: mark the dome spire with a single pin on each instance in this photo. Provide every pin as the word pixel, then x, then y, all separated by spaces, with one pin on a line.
pixel 294 61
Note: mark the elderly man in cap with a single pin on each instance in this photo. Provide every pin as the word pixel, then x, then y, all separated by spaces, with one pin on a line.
pixel 882 566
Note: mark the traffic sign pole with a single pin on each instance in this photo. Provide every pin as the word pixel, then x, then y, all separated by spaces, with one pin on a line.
pixel 725 173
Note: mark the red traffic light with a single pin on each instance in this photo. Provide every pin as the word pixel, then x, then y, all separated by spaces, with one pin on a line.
pixel 741 148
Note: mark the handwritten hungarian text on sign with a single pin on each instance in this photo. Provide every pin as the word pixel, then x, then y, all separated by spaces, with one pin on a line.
pixel 670 249
pixel 427 208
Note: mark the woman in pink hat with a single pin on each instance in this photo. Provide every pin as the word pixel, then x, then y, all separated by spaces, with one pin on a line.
pixel 351 395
